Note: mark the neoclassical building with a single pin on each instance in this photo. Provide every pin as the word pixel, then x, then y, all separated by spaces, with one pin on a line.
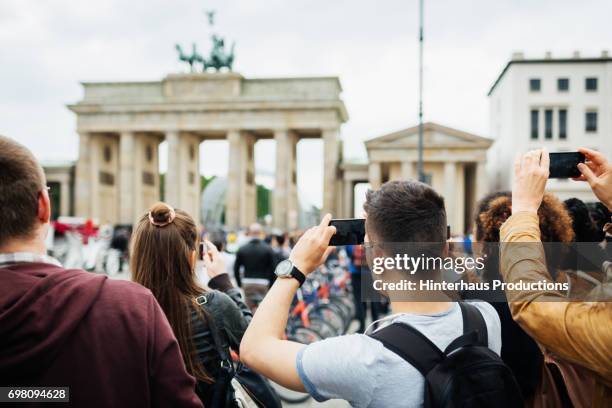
pixel 454 164
pixel 121 124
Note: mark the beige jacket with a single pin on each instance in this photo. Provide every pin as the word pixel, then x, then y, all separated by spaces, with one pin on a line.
pixel 577 332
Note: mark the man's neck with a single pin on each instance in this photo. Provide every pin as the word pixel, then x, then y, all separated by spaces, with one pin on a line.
pixel 420 307
pixel 33 245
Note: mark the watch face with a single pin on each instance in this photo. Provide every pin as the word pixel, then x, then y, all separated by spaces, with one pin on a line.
pixel 284 268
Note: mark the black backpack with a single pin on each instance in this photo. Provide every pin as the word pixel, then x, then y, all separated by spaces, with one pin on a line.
pixel 466 374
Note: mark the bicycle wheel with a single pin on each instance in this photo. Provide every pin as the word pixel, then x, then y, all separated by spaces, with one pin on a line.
pixel 346 305
pixel 330 314
pixel 325 329
pixel 304 335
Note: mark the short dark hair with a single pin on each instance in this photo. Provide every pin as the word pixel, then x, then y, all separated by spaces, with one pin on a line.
pixel 582 223
pixel 405 211
pixel 21 181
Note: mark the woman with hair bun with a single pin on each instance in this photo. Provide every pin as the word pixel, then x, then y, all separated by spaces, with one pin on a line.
pixel 164 252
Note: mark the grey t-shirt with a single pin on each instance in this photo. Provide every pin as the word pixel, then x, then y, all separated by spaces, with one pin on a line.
pixel 359 369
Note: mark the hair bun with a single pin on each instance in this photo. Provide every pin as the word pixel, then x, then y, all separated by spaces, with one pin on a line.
pixel 161 214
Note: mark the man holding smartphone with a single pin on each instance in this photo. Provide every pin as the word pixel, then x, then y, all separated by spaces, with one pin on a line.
pixel 357 367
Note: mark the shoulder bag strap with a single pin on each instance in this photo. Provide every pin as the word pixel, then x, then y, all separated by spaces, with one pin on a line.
pixel 218 343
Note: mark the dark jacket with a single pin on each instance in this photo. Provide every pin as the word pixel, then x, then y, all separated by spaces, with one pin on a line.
pixel 258 260
pixel 108 340
pixel 231 318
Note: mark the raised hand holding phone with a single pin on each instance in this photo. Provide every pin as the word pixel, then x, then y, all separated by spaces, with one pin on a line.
pixel 530 176
pixel 312 248
pixel 213 260
pixel 597 171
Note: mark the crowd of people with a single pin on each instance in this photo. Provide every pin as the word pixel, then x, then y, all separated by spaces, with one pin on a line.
pixel 166 340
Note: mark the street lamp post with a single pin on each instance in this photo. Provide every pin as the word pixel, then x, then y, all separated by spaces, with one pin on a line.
pixel 420 163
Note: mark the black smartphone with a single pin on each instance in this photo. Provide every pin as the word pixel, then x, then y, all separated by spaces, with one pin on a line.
pixel 349 231
pixel 565 165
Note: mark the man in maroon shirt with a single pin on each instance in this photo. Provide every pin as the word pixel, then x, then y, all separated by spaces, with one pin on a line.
pixel 108 340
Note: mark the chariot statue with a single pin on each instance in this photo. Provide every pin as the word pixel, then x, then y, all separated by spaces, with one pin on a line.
pixel 218 57
pixel 192 58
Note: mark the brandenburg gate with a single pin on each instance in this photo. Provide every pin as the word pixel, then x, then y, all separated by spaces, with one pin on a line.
pixel 121 124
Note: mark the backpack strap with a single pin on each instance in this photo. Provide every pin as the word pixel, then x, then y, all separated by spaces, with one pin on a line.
pixel 411 345
pixel 474 329
pixel 474 322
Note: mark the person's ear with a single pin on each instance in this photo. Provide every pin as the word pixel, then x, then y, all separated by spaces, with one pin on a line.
pixel 192 259
pixel 44 207
pixel 445 250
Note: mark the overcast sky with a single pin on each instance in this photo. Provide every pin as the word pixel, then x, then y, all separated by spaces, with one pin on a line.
pixel 47 47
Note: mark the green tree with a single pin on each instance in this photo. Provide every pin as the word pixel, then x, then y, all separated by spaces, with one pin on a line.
pixel 263 201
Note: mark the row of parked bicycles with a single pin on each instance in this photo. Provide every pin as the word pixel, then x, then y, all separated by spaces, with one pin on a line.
pixel 79 244
pixel 322 308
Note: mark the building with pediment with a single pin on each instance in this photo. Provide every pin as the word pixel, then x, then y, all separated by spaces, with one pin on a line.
pixel 454 164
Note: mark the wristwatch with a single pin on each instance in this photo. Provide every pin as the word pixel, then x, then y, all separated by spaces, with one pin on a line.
pixel 286 269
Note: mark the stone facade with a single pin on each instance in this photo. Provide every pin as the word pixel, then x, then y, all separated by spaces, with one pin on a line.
pixel 120 126
pixel 454 165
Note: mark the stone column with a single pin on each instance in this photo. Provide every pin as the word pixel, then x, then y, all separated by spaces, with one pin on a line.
pixel 293 205
pixel 349 199
pixel 190 198
pixel 375 175
pixel 480 180
pixel 241 195
pixel 83 178
pixel 65 196
pixel 450 195
pixel 182 184
pixel 284 168
pixel 173 179
pixel 248 189
pixel 331 154
pixel 95 158
pixel 146 173
pixel 407 170
pixel 232 195
pixel 128 185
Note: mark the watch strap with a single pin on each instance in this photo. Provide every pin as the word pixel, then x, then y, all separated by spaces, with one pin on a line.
pixel 298 275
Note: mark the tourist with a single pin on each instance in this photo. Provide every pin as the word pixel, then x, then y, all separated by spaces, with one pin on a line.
pixel 108 340
pixel 519 351
pixel 577 332
pixel 587 255
pixel 164 250
pixel 359 273
pixel 257 260
pixel 357 367
pixel 278 245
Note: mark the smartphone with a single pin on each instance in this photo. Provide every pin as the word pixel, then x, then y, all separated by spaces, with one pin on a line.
pixel 349 231
pixel 565 165
pixel 203 250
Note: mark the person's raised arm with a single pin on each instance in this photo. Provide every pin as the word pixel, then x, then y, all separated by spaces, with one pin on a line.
pixel 263 346
pixel 597 171
pixel 577 331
